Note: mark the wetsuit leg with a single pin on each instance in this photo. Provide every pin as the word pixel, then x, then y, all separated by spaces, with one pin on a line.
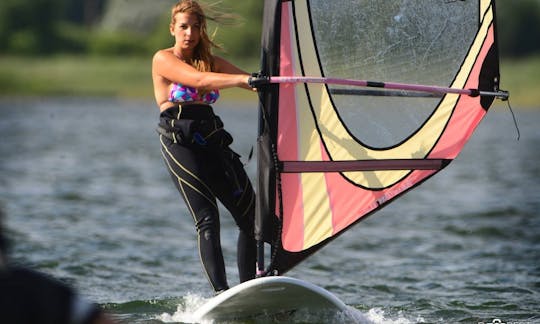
pixel 189 170
pixel 237 195
pixel 246 256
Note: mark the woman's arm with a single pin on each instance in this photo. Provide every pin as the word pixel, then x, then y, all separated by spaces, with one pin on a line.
pixel 171 68
pixel 224 66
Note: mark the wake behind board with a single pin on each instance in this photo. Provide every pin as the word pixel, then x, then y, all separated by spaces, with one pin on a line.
pixel 268 296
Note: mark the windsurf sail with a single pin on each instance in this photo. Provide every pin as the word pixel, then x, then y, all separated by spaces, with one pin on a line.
pixel 332 148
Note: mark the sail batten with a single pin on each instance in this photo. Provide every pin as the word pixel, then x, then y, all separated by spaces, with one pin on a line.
pixel 363 165
pixel 335 147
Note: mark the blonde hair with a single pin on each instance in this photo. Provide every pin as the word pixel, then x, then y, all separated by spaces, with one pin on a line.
pixel 202 59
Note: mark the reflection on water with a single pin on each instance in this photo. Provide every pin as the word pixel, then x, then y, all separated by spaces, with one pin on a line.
pixel 89 200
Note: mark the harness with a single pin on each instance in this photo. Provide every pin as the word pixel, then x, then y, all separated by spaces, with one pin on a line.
pixel 196 126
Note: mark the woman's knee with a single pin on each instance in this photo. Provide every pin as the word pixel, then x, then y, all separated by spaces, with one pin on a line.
pixel 207 223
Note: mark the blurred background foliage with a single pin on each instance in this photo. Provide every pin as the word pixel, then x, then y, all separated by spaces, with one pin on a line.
pixel 139 27
pixel 115 27
pixel 91 47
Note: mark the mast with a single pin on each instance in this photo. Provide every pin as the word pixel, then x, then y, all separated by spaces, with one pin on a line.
pixel 268 100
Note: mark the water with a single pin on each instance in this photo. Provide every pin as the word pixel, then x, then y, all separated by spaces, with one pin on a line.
pixel 88 200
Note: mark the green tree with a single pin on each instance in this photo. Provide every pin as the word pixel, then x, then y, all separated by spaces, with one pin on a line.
pixel 519 27
pixel 28 26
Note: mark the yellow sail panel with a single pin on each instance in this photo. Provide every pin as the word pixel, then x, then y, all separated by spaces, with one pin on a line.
pixel 316 214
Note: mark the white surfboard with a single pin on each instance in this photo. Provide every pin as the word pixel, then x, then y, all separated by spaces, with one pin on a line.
pixel 268 296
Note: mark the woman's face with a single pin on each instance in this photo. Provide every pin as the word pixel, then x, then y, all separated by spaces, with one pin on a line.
pixel 186 30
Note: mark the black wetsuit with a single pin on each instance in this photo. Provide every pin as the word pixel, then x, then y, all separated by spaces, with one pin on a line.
pixel 203 167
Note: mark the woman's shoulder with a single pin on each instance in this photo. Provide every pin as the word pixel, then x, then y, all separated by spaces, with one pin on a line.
pixel 163 52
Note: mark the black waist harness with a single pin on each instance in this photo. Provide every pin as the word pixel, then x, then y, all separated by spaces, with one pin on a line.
pixel 194 124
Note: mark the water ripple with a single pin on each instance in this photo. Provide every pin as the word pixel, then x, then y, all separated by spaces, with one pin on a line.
pixel 89 200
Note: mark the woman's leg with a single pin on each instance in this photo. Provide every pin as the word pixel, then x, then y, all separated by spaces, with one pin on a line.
pixel 237 195
pixel 188 170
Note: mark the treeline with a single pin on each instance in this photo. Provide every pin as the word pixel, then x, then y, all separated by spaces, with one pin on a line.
pixel 114 27
pixel 41 27
pixel 519 27
pixel 32 27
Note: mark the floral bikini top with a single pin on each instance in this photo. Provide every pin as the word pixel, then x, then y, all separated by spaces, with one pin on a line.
pixel 181 93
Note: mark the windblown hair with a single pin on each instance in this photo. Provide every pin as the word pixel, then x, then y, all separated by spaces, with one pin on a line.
pixel 202 57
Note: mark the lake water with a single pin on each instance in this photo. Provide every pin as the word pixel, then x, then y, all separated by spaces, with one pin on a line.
pixel 88 200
